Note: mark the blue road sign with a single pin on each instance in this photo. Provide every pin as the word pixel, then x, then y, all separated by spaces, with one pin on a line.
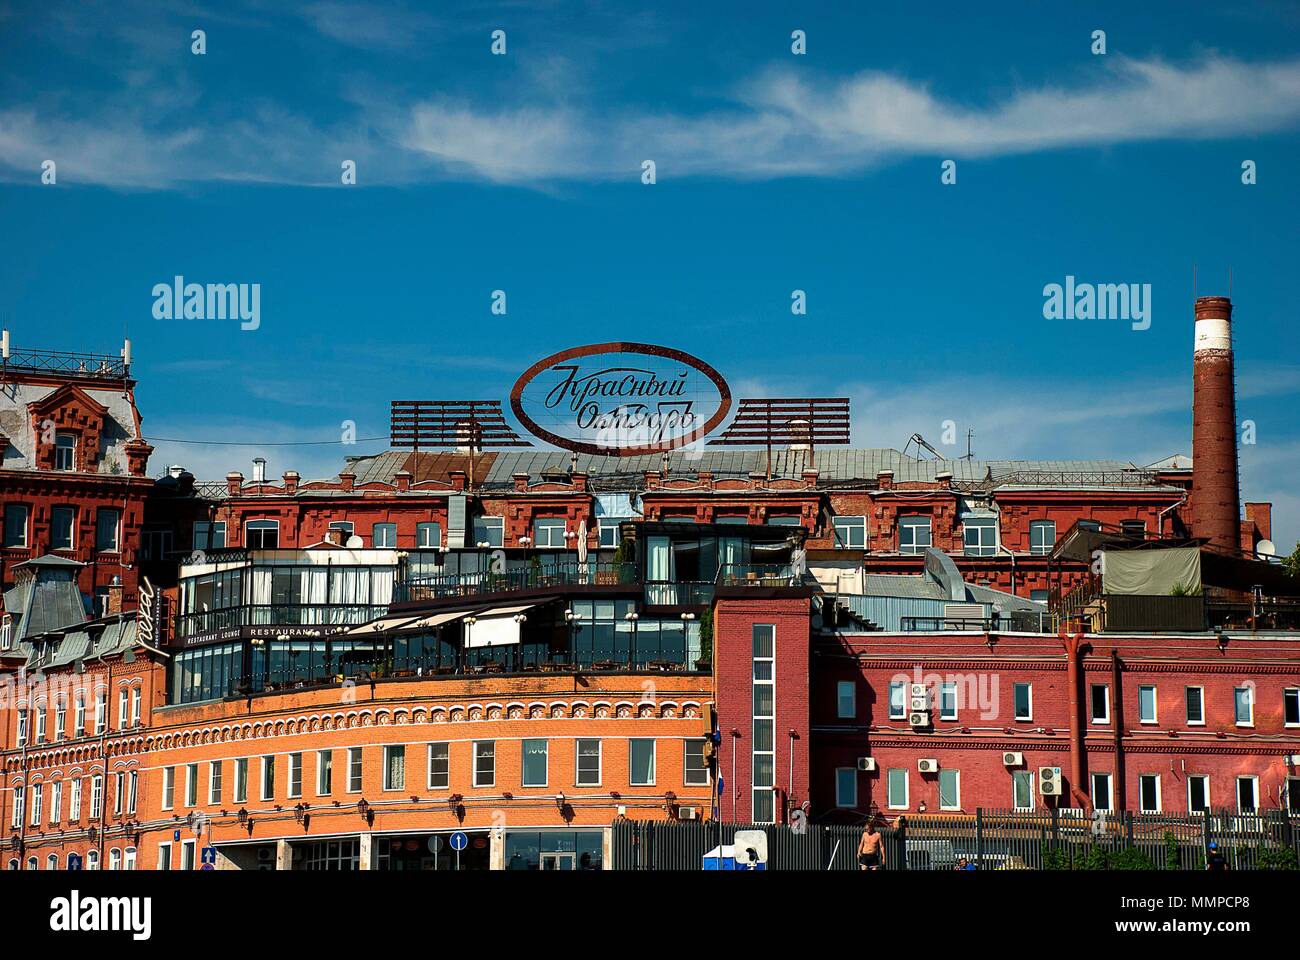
pixel 74 861
pixel 209 855
pixel 458 840
pixel 176 835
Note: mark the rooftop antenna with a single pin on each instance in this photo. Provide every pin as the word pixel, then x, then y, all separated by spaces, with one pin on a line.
pixel 4 351
pixel 969 455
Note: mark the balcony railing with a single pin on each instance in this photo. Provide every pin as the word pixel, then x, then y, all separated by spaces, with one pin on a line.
pixel 97 365
pixel 678 593
pixel 593 573
pixel 279 614
pixel 757 575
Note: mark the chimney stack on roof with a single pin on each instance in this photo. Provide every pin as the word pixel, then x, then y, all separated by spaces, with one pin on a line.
pixel 1215 501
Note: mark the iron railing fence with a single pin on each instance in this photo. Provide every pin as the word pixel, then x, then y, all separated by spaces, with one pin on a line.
pixel 592 573
pixel 987 840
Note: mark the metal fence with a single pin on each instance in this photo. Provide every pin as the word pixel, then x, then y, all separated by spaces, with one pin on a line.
pixel 986 840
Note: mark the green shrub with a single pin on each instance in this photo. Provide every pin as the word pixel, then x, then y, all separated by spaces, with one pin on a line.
pixel 1172 853
pixel 1131 859
pixel 1055 859
pixel 1276 858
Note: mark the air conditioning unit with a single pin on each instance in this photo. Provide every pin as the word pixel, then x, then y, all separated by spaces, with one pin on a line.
pixel 688 813
pixel 919 718
pixel 1013 759
pixel 920 697
pixel 927 766
pixel 1049 781
pixel 867 764
pixel 920 703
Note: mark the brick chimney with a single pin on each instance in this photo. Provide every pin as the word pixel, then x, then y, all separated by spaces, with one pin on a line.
pixel 1260 516
pixel 578 479
pixel 291 478
pixel 1215 506
pixel 137 457
pixel 113 603
pixel 403 480
pixel 886 479
pixel 459 479
pixel 521 481
pixel 810 477
pixel 348 480
pixel 234 483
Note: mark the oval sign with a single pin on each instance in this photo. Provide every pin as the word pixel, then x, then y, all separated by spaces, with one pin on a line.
pixel 620 399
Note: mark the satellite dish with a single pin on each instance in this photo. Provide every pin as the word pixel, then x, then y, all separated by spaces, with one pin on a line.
pixel 1265 548
pixel 354 542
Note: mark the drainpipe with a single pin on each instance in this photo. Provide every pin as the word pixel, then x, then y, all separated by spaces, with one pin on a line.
pixel 1117 721
pixel 1075 644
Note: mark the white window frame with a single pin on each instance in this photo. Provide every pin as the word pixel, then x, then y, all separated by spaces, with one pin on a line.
pixel 128 858
pixel 165 861
pixel 445 753
pixel 260 524
pixel 71 542
pixel 294 784
pixel 654 761
pixel 848 529
pixel 356 766
pixel 56 801
pixel 1155 704
pixel 1200 693
pixel 600 760
pixel 687 772
pixel 191 785
pixel 74 801
pixel 324 765
pixel 61 448
pixel 1015 713
pixel 421 539
pixel 1041 549
pixel 494 529
pixel 20 807
pixel 1104 720
pixel 549 533
pixel 386 782
pixel 101 711
pixel 266 777
pixel 907 789
pixel 137 697
pixel 901 713
pixel 1254 786
pixel 1109 779
pixel 204 533
pixel 846 690
pixel 971 525
pixel 240 794
pixel 938 785
pixel 96 796
pixel 842 802
pixel 1291 693
pixel 116 546
pixel 924 522
pixel 168 788
pixel 474 758
pixel 37 791
pixel 79 716
pixel 523 742
pixel 1159 807
pixel 946 687
pixel 388 527
pixel 347 528
pixel 26 539
pixel 1249 691
pixel 1209 804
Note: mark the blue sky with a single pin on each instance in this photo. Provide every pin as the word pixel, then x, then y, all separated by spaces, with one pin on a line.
pixel 775 173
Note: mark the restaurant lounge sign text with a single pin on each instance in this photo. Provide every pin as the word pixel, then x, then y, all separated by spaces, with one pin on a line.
pixel 620 399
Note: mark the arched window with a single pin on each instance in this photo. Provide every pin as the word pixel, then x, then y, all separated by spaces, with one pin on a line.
pixel 115 859
pixel 52 862
pixel 32 864
pixel 13 864
pixel 92 860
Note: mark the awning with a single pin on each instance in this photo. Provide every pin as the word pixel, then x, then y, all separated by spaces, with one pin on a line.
pixel 382 625
pixel 436 620
pixel 496 627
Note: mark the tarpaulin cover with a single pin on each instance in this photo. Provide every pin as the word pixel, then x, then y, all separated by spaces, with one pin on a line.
pixel 1151 573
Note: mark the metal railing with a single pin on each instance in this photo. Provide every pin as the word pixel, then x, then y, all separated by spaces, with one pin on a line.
pixel 678 593
pixel 757 575
pixel 278 614
pixel 986 840
pixel 593 573
pixel 97 365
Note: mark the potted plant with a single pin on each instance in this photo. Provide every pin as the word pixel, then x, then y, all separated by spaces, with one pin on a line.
pixel 705 663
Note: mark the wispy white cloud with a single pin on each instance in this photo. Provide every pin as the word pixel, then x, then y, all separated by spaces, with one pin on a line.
pixel 777 124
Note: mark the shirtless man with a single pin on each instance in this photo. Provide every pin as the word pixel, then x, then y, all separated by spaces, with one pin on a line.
pixel 871 852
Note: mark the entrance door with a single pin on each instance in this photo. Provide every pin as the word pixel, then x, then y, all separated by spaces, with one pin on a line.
pixel 557 861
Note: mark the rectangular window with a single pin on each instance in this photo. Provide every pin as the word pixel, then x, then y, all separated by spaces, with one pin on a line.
pixel 38 796
pixel 696 770
pixel 1243 699
pixel 101 712
pixel 135 706
pixel 241 780
pixel 846 787
pixel 65 451
pixel 846 700
pixel 119 793
pixel 15 525
pixel 913 534
pixel 1134 528
pixel 22 727
pixel 428 536
pixel 489 531
pixel 214 782
pixel 210 536
pixel 1198 793
pixel 123 706
pixel 354 769
pixel 1042 536
pixel 763 756
pixel 949 789
pixel 56 801
pixel 74 801
pixel 191 785
pixel 96 796
pixel 896 789
pixel 60 719
pixel 1147 704
pixel 1101 791
pixel 1149 792
pixel 395 767
pixel 268 777
pixel 295 775
pixel 383 536
pixel 169 788
pixel 20 803
pixel 108 525
pixel 79 717
pixel 948 700
pixel 439 766
pixel 1024 701
pixel 1247 794
pixel 189 851
pixel 324 773
pixel 132 790
pixel 485 763
pixel 608 533
pixel 262 534
pixel 40 724
pixel 980 536
pixel 533 762
pixel 588 772
pixel 62 521
pixel 641 762
pixel 1291 707
pixel 1195 706
pixel 165 856
pixel 898 701
pixel 548 533
pixel 1099 694
pixel 850 533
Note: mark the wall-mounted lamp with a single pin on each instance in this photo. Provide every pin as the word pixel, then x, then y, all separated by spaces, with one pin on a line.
pixel 688 616
pixel 559 801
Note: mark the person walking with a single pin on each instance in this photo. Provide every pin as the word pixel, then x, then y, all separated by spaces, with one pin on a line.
pixel 871 848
